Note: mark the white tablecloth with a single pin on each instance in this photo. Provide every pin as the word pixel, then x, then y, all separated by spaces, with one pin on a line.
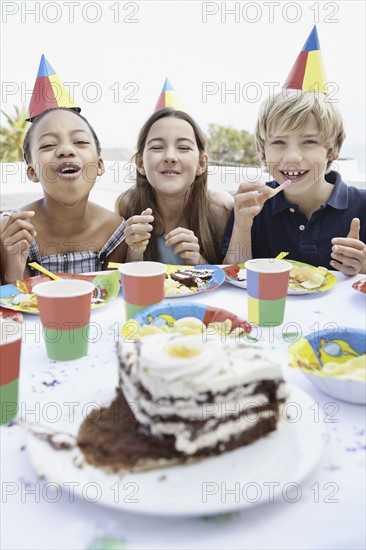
pixel 328 513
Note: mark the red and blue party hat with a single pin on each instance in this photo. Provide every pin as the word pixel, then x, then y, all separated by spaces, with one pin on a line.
pixel 308 71
pixel 48 92
pixel 168 98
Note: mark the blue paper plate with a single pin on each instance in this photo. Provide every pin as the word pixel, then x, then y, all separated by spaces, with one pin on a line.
pixel 166 314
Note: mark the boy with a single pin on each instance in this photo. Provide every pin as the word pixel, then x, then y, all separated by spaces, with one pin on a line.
pixel 317 218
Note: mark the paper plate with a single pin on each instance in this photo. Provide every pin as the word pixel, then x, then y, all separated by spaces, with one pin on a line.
pixel 313 352
pixel 166 314
pixel 216 280
pixel 107 286
pixel 284 457
pixel 231 272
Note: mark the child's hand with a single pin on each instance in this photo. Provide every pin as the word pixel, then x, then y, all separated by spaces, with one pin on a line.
pixel 349 253
pixel 138 231
pixel 249 201
pixel 17 234
pixel 185 244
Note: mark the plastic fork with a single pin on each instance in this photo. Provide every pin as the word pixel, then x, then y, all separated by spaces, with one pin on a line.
pixel 45 271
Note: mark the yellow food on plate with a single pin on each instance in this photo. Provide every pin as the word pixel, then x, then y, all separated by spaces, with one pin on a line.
pixel 173 288
pixel 25 301
pixel 353 369
pixel 185 326
pixel 308 277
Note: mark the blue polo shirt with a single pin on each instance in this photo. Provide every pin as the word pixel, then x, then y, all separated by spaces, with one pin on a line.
pixel 280 226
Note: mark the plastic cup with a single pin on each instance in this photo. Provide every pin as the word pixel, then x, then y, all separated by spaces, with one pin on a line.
pixel 10 346
pixel 64 308
pixel 142 285
pixel 267 286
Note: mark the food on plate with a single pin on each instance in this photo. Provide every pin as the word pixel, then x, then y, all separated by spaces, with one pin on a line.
pixel 232 270
pixel 19 295
pixel 192 277
pixel 197 394
pixel 242 275
pixel 24 300
pixel 186 280
pixel 186 326
pixel 182 398
pixel 301 276
pixel 353 369
pixel 308 277
pixel 173 288
pixel 360 285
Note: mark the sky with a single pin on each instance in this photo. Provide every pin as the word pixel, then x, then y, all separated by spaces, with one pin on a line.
pixel 223 58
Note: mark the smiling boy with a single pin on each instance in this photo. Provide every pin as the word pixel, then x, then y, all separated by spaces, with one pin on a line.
pixel 318 218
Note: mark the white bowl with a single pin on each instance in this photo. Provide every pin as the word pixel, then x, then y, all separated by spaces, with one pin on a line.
pixel 351 391
pixel 320 348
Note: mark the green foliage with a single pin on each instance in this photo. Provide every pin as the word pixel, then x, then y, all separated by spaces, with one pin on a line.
pixel 12 135
pixel 228 145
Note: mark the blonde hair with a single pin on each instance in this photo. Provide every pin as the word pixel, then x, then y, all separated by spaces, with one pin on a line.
pixel 289 111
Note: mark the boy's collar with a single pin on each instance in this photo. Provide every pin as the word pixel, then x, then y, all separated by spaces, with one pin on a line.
pixel 338 198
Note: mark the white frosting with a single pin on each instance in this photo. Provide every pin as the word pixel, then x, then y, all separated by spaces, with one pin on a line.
pixel 217 367
pixel 156 360
pixel 173 375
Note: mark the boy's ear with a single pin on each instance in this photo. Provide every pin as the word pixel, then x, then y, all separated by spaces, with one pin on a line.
pixel 140 165
pixel 101 167
pixel 31 174
pixel 334 156
pixel 202 164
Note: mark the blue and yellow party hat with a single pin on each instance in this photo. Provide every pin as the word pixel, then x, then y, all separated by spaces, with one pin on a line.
pixel 168 98
pixel 48 92
pixel 308 71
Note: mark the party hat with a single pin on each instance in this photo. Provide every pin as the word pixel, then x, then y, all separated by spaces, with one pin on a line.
pixel 308 71
pixel 48 92
pixel 168 98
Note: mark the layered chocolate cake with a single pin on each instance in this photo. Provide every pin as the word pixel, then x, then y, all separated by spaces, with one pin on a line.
pixel 192 277
pixel 197 396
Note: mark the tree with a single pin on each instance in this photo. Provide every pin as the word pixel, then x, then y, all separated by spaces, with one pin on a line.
pixel 12 136
pixel 227 145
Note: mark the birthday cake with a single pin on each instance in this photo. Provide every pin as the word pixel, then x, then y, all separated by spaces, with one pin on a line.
pixel 192 277
pixel 201 397
pixel 184 397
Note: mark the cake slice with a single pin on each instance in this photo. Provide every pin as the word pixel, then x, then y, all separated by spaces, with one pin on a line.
pixel 192 277
pixel 198 396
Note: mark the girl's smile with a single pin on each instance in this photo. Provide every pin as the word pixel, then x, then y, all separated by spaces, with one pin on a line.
pixel 171 155
pixel 64 152
pixel 68 171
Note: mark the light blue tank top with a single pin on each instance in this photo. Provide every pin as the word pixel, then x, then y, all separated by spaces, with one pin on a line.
pixel 166 254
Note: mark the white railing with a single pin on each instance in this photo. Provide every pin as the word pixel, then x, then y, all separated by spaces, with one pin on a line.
pixel 17 190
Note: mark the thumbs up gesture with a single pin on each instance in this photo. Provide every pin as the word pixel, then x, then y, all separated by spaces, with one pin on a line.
pixel 349 253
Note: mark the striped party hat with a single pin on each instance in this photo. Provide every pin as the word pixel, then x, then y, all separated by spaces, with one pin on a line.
pixel 308 71
pixel 168 98
pixel 48 92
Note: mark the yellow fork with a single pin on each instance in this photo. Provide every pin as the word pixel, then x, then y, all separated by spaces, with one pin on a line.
pixel 281 255
pixel 44 270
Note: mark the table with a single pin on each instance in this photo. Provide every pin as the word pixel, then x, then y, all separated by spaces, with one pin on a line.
pixel 328 513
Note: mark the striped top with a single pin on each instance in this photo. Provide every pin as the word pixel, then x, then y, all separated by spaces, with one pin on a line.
pixel 76 262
